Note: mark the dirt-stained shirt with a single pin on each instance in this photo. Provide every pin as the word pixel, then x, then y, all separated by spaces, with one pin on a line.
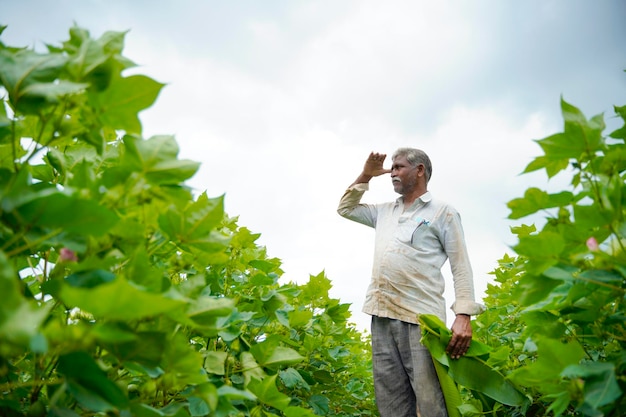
pixel 411 247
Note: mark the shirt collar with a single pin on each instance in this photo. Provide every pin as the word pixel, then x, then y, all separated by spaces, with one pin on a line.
pixel 424 198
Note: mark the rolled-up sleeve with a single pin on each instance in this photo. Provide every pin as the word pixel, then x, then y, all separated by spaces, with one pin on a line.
pixel 351 208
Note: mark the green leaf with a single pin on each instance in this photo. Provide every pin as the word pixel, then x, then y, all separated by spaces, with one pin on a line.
pixel 292 379
pixel 118 300
pixel 89 384
pixel 591 216
pixel 146 348
pixel 208 308
pixel 140 271
pixel 144 410
pixel 89 278
pixel 172 172
pixel 267 393
pixel 141 154
pixel 320 404
pixel 579 135
pixel 72 214
pixel 316 290
pixel 450 390
pixel 157 159
pixel 299 318
pixel 20 324
pixel 50 92
pixel 193 228
pixel 469 371
pixel 553 357
pixel 543 246
pixel 251 368
pixel 120 104
pixel 269 354
pixel 531 289
pixel 23 69
pixel 552 166
pixel 214 362
pixel 198 407
pixel 208 392
pixel 6 127
pixel 233 394
pixel 535 199
pixel 298 412
pixel 113 333
pixel 197 220
pixel 601 387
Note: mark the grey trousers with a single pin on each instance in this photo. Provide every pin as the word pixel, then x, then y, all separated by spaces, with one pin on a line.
pixel 405 381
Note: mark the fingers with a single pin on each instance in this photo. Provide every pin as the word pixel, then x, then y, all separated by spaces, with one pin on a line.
pixel 458 347
pixel 461 336
pixel 374 165
pixel 377 157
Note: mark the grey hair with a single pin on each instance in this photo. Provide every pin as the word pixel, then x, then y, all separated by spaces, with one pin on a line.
pixel 415 157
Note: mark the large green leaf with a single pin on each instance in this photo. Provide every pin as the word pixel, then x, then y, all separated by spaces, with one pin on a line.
pixel 204 310
pixel 270 354
pixel 267 392
pixel 51 209
pixel 146 348
pixel 579 135
pixel 89 384
pixel 552 166
pixel 600 382
pixel 22 70
pixel 194 226
pixel 118 300
pixel 535 200
pixel 121 102
pixel 542 249
pixel 157 159
pixel 470 371
pixel 214 362
pixel 450 390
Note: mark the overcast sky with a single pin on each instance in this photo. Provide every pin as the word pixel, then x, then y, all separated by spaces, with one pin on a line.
pixel 282 101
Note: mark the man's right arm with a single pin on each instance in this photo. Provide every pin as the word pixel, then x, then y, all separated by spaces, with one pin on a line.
pixel 350 205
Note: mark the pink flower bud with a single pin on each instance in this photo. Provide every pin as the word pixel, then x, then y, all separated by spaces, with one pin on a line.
pixel 67 255
pixel 592 244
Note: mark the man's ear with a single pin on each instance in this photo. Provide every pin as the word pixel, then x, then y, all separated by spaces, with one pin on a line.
pixel 421 170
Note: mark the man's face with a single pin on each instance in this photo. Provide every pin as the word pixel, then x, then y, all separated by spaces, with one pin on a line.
pixel 403 175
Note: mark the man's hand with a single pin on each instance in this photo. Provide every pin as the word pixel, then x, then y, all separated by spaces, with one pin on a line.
pixel 461 336
pixel 374 165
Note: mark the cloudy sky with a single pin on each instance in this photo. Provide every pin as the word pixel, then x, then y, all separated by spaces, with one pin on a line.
pixel 281 101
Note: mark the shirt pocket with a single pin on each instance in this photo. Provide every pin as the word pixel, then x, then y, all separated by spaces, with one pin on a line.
pixel 410 230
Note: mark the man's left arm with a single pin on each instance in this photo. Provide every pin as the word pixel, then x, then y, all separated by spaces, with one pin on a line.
pixel 464 305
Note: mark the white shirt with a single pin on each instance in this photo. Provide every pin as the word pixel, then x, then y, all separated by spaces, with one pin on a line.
pixel 410 249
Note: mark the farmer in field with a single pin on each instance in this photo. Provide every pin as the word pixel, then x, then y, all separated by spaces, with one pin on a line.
pixel 415 235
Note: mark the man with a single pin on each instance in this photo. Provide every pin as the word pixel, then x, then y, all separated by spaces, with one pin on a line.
pixel 415 235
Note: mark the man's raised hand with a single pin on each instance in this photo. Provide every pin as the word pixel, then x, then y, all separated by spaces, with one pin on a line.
pixel 374 165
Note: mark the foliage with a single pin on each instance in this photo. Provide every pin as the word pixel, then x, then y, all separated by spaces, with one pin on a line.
pixel 556 316
pixel 125 294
